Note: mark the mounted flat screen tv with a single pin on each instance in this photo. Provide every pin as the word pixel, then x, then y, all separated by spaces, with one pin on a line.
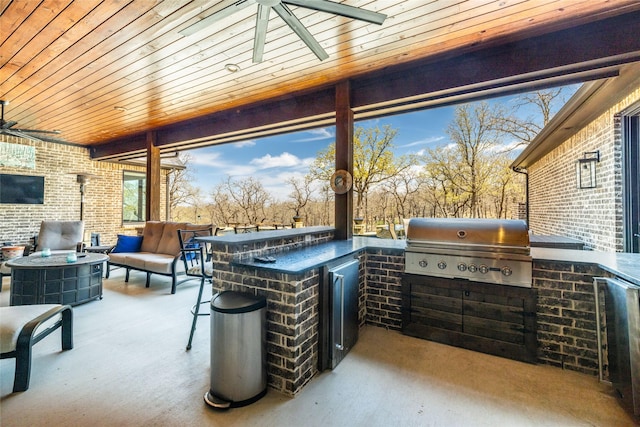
pixel 21 189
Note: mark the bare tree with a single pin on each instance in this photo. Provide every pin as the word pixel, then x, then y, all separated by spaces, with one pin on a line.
pixel 475 141
pixel 402 187
pixel 301 193
pixel 526 129
pixel 181 192
pixel 443 175
pixel 250 197
pixel 222 210
pixel 505 188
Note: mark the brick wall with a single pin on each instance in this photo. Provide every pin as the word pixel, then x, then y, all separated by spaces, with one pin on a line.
pixel 59 164
pixel 567 335
pixel 592 215
pixel 384 269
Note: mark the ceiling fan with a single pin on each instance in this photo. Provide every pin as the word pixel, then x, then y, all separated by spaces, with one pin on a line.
pixel 229 7
pixel 7 128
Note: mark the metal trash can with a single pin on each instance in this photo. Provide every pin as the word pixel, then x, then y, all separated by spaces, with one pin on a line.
pixel 238 349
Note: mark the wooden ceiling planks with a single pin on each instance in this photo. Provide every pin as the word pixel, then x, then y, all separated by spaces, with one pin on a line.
pixel 12 15
pixel 210 69
pixel 64 76
pixel 128 53
pixel 244 88
pixel 36 20
pixel 54 55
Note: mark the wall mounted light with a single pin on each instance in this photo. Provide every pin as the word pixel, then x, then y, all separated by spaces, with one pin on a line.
pixel 586 169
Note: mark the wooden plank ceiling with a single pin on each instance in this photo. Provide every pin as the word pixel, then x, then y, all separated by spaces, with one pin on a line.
pixel 103 70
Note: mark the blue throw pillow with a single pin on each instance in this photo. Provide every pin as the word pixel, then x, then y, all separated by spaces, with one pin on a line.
pixel 190 245
pixel 128 243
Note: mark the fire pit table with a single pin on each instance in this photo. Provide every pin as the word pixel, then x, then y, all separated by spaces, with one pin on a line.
pixel 53 280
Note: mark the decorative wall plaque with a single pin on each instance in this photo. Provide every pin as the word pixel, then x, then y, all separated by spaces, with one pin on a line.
pixel 17 156
pixel 341 181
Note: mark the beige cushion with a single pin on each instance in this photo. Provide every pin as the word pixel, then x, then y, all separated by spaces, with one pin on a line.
pixel 137 259
pixel 169 244
pixel 155 263
pixel 14 318
pixel 160 263
pixel 118 257
pixel 60 234
pixel 151 236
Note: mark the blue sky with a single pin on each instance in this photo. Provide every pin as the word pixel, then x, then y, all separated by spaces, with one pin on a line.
pixel 273 160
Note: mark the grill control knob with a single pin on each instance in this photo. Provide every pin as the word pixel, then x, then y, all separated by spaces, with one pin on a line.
pixel 507 271
pixel 483 269
pixel 473 268
pixel 423 263
pixel 462 266
pixel 442 265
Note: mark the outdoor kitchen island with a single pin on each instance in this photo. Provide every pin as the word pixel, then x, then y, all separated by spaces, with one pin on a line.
pixel 286 267
pixel 566 329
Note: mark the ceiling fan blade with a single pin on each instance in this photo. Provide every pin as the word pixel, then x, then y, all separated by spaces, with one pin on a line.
pixel 261 32
pixel 340 9
pixel 225 8
pixel 55 132
pixel 7 125
pixel 304 34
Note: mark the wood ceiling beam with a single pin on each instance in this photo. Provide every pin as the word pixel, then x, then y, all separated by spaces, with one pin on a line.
pixel 344 160
pixel 586 47
pixel 591 46
pixel 239 124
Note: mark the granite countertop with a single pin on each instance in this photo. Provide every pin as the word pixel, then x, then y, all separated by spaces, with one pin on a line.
pixel 301 260
pixel 623 265
pixel 265 235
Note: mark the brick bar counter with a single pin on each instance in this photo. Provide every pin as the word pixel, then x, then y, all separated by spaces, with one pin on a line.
pixel 566 327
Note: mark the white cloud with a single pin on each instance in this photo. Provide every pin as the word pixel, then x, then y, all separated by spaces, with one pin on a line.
pixel 425 141
pixel 317 135
pixel 247 143
pixel 283 160
pixel 206 158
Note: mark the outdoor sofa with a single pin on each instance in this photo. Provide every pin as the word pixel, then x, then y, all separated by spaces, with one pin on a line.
pixel 156 251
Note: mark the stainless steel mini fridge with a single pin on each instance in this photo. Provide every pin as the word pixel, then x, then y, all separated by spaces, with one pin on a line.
pixel 344 330
pixel 621 316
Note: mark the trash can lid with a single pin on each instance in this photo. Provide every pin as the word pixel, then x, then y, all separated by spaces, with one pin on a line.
pixel 237 302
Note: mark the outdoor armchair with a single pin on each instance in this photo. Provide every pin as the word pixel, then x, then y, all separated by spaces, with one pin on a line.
pixel 59 236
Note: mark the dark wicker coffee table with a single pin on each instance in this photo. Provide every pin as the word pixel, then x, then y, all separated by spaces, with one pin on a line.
pixel 53 280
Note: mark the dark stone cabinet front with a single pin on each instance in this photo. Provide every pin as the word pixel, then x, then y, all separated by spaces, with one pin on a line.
pixel 493 319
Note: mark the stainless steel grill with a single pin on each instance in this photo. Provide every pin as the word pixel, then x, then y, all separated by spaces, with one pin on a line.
pixel 482 250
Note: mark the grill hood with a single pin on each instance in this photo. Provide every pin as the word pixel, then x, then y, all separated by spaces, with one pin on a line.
pixel 471 234
pixel 484 250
